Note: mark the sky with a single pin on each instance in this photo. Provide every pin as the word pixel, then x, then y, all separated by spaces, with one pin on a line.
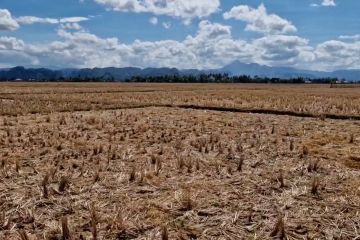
pixel 186 34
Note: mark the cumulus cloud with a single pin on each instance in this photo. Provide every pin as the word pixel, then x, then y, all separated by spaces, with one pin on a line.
pixel 211 31
pixel 212 46
pixel 12 53
pixel 283 50
pixel 258 20
pixel 7 22
pixel 337 54
pixel 14 58
pixel 184 9
pixel 203 50
pixel 11 43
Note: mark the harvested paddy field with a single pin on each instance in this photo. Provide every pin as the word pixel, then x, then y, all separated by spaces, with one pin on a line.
pixel 147 161
pixel 315 100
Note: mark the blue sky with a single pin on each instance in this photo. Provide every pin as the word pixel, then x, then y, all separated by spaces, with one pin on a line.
pixel 311 34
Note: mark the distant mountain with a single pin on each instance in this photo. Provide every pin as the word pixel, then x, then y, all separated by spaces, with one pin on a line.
pixel 352 75
pixel 29 74
pixel 253 69
pixel 111 72
pixel 121 74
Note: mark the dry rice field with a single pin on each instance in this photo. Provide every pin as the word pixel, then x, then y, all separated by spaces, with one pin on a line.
pixel 177 161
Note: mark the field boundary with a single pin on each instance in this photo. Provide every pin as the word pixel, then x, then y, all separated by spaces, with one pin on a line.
pixel 271 112
pixel 212 108
pixel 220 109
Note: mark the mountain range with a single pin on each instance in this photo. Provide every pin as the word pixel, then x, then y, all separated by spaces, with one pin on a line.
pixel 253 69
pixel 120 74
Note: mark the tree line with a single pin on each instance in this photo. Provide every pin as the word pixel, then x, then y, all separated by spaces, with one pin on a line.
pixel 225 78
pixel 202 78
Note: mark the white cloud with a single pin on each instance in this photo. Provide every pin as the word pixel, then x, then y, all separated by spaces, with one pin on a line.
pixel 33 20
pixel 259 20
pixel 6 21
pixel 350 37
pixel 328 3
pixel 14 58
pixel 71 26
pixel 73 19
pixel 324 3
pixel 83 49
pixel 337 54
pixel 11 43
pixel 212 46
pixel 154 20
pixel 283 50
pixel 166 25
pixel 184 9
pixel 211 31
pixel 13 53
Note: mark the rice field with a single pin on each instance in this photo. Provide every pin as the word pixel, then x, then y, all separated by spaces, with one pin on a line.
pixel 178 161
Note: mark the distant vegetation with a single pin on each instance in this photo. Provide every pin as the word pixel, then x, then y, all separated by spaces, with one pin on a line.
pixel 233 73
pixel 225 78
pixel 46 75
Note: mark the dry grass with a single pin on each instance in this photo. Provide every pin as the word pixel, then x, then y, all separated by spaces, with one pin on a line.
pixel 168 173
pixel 18 99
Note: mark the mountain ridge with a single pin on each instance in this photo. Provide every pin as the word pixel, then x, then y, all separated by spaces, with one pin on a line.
pixel 235 68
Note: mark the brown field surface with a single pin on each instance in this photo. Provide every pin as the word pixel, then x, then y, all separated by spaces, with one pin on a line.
pixel 22 98
pixel 134 161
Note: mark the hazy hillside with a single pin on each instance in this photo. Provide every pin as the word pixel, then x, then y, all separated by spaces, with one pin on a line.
pixel 120 74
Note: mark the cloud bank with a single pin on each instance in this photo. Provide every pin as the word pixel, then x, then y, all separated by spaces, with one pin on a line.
pixel 184 9
pixel 211 46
